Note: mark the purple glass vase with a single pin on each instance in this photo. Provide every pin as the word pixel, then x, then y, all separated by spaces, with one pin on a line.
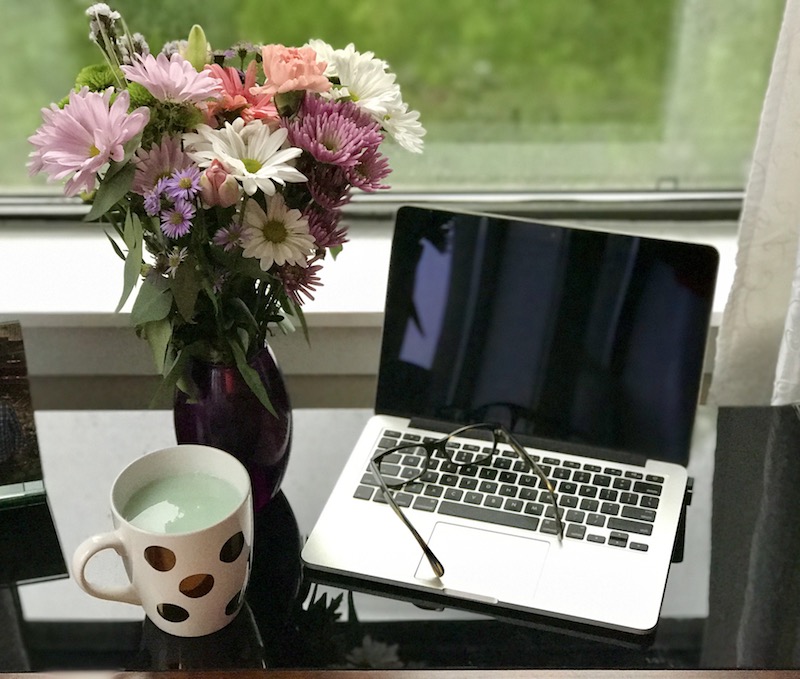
pixel 228 415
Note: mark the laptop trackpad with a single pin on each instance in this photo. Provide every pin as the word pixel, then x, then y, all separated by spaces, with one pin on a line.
pixel 486 565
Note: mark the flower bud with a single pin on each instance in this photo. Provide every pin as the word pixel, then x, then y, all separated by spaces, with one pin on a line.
pixel 217 187
pixel 197 48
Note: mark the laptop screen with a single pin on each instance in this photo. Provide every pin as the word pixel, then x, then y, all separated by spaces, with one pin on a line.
pixel 560 333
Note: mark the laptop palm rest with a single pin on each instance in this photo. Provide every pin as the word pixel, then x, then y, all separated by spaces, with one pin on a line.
pixel 485 565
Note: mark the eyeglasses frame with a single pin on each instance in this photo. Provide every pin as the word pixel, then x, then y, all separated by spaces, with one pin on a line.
pixel 500 435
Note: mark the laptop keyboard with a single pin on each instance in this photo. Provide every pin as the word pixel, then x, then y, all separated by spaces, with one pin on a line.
pixel 600 503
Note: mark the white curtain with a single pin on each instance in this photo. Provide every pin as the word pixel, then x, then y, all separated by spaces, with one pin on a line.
pixel 758 346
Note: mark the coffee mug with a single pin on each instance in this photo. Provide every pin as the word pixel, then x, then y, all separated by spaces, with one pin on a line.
pixel 183 526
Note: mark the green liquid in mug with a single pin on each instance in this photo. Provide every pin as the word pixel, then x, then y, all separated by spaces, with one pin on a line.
pixel 181 503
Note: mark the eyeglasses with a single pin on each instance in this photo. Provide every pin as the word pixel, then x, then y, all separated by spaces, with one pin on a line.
pixel 408 463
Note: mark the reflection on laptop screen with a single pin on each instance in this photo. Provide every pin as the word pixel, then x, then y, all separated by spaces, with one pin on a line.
pixel 560 333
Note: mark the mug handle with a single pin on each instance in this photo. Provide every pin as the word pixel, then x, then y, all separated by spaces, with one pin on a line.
pixel 86 550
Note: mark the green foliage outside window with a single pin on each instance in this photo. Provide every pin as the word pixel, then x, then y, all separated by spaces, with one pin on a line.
pixel 517 94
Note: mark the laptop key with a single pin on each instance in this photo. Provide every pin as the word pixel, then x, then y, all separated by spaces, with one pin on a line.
pixel 609 508
pixel 493 501
pixel 649 501
pixel 576 531
pixel 550 527
pixel 575 516
pixel 639 513
pixel 630 526
pixel 363 493
pixel 425 504
pixel 453 494
pixel 473 498
pixel 501 518
pixel 513 505
pixel 647 488
pixel 534 509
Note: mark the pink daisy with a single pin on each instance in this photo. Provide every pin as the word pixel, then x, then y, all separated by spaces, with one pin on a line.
pixel 172 79
pixel 160 161
pixel 81 138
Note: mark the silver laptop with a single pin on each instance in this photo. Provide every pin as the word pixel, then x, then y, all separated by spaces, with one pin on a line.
pixel 588 347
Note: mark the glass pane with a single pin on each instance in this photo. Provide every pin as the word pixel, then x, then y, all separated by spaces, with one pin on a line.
pixel 516 95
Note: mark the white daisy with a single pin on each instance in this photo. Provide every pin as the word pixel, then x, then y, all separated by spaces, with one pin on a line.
pixel 250 152
pixel 279 236
pixel 404 127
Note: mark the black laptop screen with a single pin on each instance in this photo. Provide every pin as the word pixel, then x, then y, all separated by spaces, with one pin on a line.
pixel 559 333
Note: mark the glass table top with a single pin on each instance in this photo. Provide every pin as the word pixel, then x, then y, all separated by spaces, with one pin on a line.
pixel 290 620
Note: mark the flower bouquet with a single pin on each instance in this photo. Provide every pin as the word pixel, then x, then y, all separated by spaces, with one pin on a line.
pixel 223 174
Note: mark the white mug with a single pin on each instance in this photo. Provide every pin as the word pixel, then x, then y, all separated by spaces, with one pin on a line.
pixel 183 525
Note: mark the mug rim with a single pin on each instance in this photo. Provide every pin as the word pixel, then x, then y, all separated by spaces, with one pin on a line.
pixel 242 484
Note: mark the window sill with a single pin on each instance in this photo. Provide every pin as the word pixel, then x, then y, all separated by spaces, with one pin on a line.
pixel 62 281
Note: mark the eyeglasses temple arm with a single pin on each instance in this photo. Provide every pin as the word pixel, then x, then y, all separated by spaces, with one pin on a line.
pixel 510 440
pixel 436 565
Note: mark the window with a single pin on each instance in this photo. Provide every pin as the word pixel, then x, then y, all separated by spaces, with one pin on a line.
pixel 515 95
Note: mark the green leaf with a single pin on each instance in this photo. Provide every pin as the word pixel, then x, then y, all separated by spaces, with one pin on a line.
pixel 116 246
pixel 153 302
pixel 132 234
pixel 111 190
pixel 185 288
pixel 158 335
pixel 173 372
pixel 241 310
pixel 251 377
pixel 335 250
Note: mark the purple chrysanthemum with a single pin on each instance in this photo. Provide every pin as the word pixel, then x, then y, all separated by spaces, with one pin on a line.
pixel 328 186
pixel 324 227
pixel 184 184
pixel 337 133
pixel 176 221
pixel 229 237
pixel 367 174
pixel 299 280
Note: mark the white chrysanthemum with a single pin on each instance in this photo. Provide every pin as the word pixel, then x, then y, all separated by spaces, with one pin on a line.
pixel 363 78
pixel 366 81
pixel 279 236
pixel 250 152
pixel 404 127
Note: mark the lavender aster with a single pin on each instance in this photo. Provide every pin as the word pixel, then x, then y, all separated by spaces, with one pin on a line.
pixel 176 221
pixel 229 237
pixel 152 202
pixel 183 184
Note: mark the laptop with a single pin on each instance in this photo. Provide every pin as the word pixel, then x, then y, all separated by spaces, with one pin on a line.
pixel 588 347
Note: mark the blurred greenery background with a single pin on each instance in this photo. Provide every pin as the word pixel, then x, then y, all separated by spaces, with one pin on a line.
pixel 515 94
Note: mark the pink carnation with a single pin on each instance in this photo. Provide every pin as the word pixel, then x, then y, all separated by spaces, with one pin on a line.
pixel 292 68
